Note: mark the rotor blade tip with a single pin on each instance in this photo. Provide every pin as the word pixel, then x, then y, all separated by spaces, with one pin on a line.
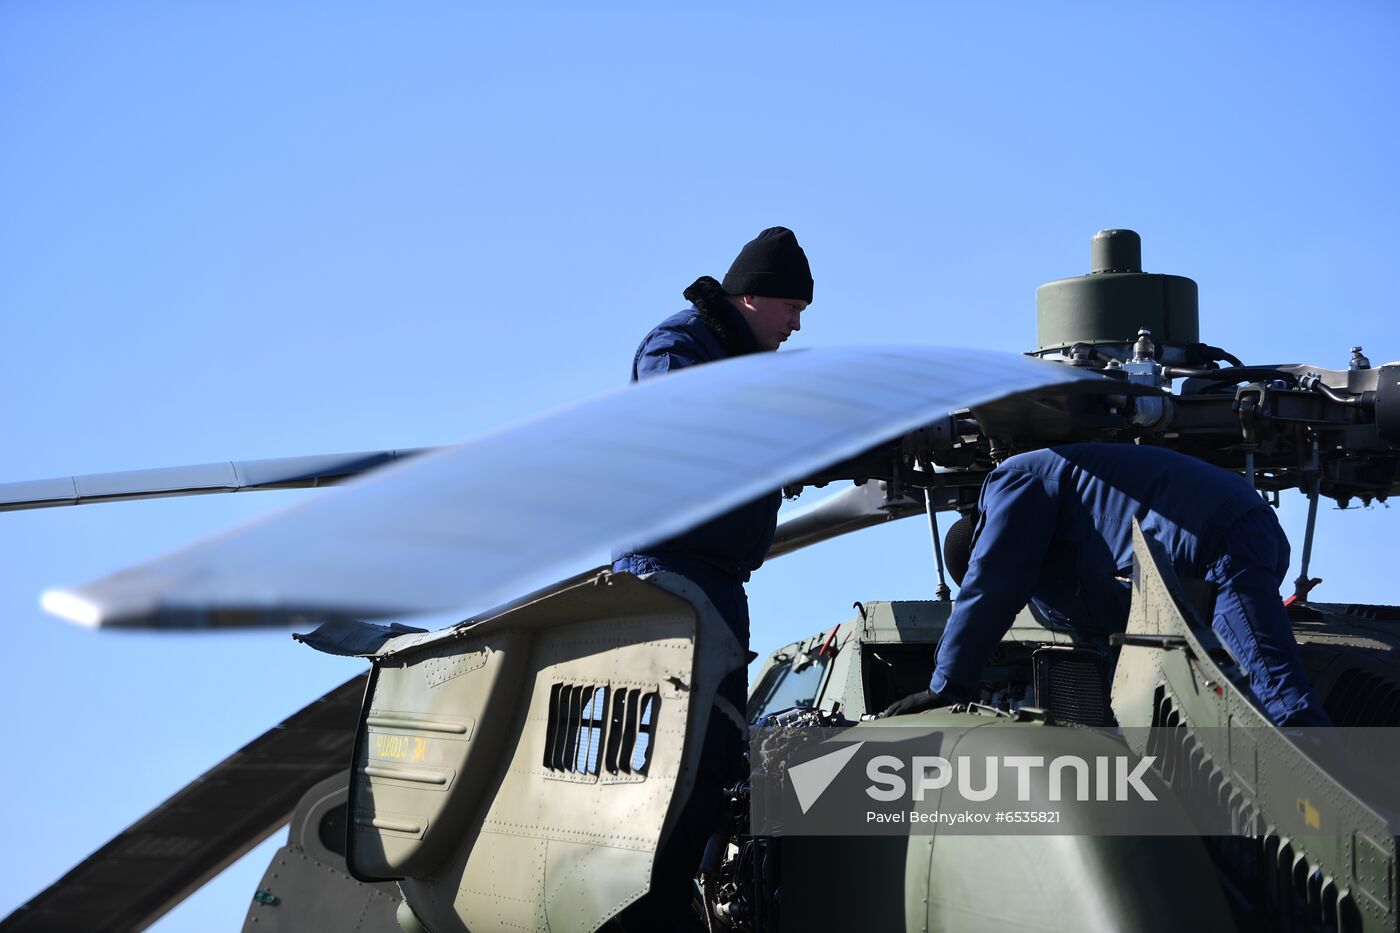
pixel 73 608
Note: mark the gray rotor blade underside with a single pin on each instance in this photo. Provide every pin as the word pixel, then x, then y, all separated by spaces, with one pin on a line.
pixel 849 510
pixel 197 479
pixel 865 505
pixel 168 854
pixel 444 531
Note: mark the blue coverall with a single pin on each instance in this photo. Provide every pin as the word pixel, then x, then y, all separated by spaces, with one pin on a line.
pixel 1056 526
pixel 722 553
pixel 718 556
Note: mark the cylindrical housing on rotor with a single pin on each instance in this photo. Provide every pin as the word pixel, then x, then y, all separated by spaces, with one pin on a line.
pixel 1115 299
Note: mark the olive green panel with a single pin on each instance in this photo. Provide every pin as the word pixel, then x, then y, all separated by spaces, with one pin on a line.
pixel 842 684
pixel 922 620
pixel 1074 884
pixel 433 734
pixel 305 888
pixel 972 882
pixel 1224 749
pixel 1087 881
pixel 1109 307
pixel 548 847
pixel 903 621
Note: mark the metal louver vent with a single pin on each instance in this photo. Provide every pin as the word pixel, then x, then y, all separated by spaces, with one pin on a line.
pixel 574 735
pixel 1363 698
pixel 585 734
pixel 1072 684
pixel 630 731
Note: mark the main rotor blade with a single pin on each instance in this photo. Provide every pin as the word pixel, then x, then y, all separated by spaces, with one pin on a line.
pixel 168 854
pixel 863 506
pixel 197 480
pixel 637 465
pixel 852 509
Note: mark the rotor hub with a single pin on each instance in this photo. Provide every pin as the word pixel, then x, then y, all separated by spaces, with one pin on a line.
pixel 1106 308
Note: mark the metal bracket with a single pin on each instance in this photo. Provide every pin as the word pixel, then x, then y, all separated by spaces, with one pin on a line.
pixel 1163 642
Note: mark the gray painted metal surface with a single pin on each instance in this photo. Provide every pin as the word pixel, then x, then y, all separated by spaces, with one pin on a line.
pixel 623 469
pixel 850 510
pixel 306 888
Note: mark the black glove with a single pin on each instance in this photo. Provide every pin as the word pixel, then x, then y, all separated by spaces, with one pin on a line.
pixel 914 703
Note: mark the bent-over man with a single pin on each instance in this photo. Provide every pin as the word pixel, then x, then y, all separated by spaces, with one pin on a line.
pixel 1056 526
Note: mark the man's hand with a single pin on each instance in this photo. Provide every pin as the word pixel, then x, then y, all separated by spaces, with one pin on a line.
pixel 914 703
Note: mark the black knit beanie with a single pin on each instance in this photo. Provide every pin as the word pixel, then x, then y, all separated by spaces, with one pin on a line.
pixel 771 265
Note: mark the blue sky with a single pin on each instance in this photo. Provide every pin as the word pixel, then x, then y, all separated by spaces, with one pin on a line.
pixel 231 231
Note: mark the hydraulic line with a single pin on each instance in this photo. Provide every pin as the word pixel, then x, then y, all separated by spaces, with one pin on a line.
pixel 1215 353
pixel 1230 376
pixel 1318 385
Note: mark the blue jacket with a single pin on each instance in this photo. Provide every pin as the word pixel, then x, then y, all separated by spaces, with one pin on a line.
pixel 712 329
pixel 1056 525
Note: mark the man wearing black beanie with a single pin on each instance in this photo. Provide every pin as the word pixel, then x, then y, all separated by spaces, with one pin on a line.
pixel 770 284
pixel 756 308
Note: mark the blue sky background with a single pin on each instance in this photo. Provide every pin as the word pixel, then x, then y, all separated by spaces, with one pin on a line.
pixel 231 231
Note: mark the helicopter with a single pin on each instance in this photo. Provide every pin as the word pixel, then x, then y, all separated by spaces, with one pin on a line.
pixel 1111 345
